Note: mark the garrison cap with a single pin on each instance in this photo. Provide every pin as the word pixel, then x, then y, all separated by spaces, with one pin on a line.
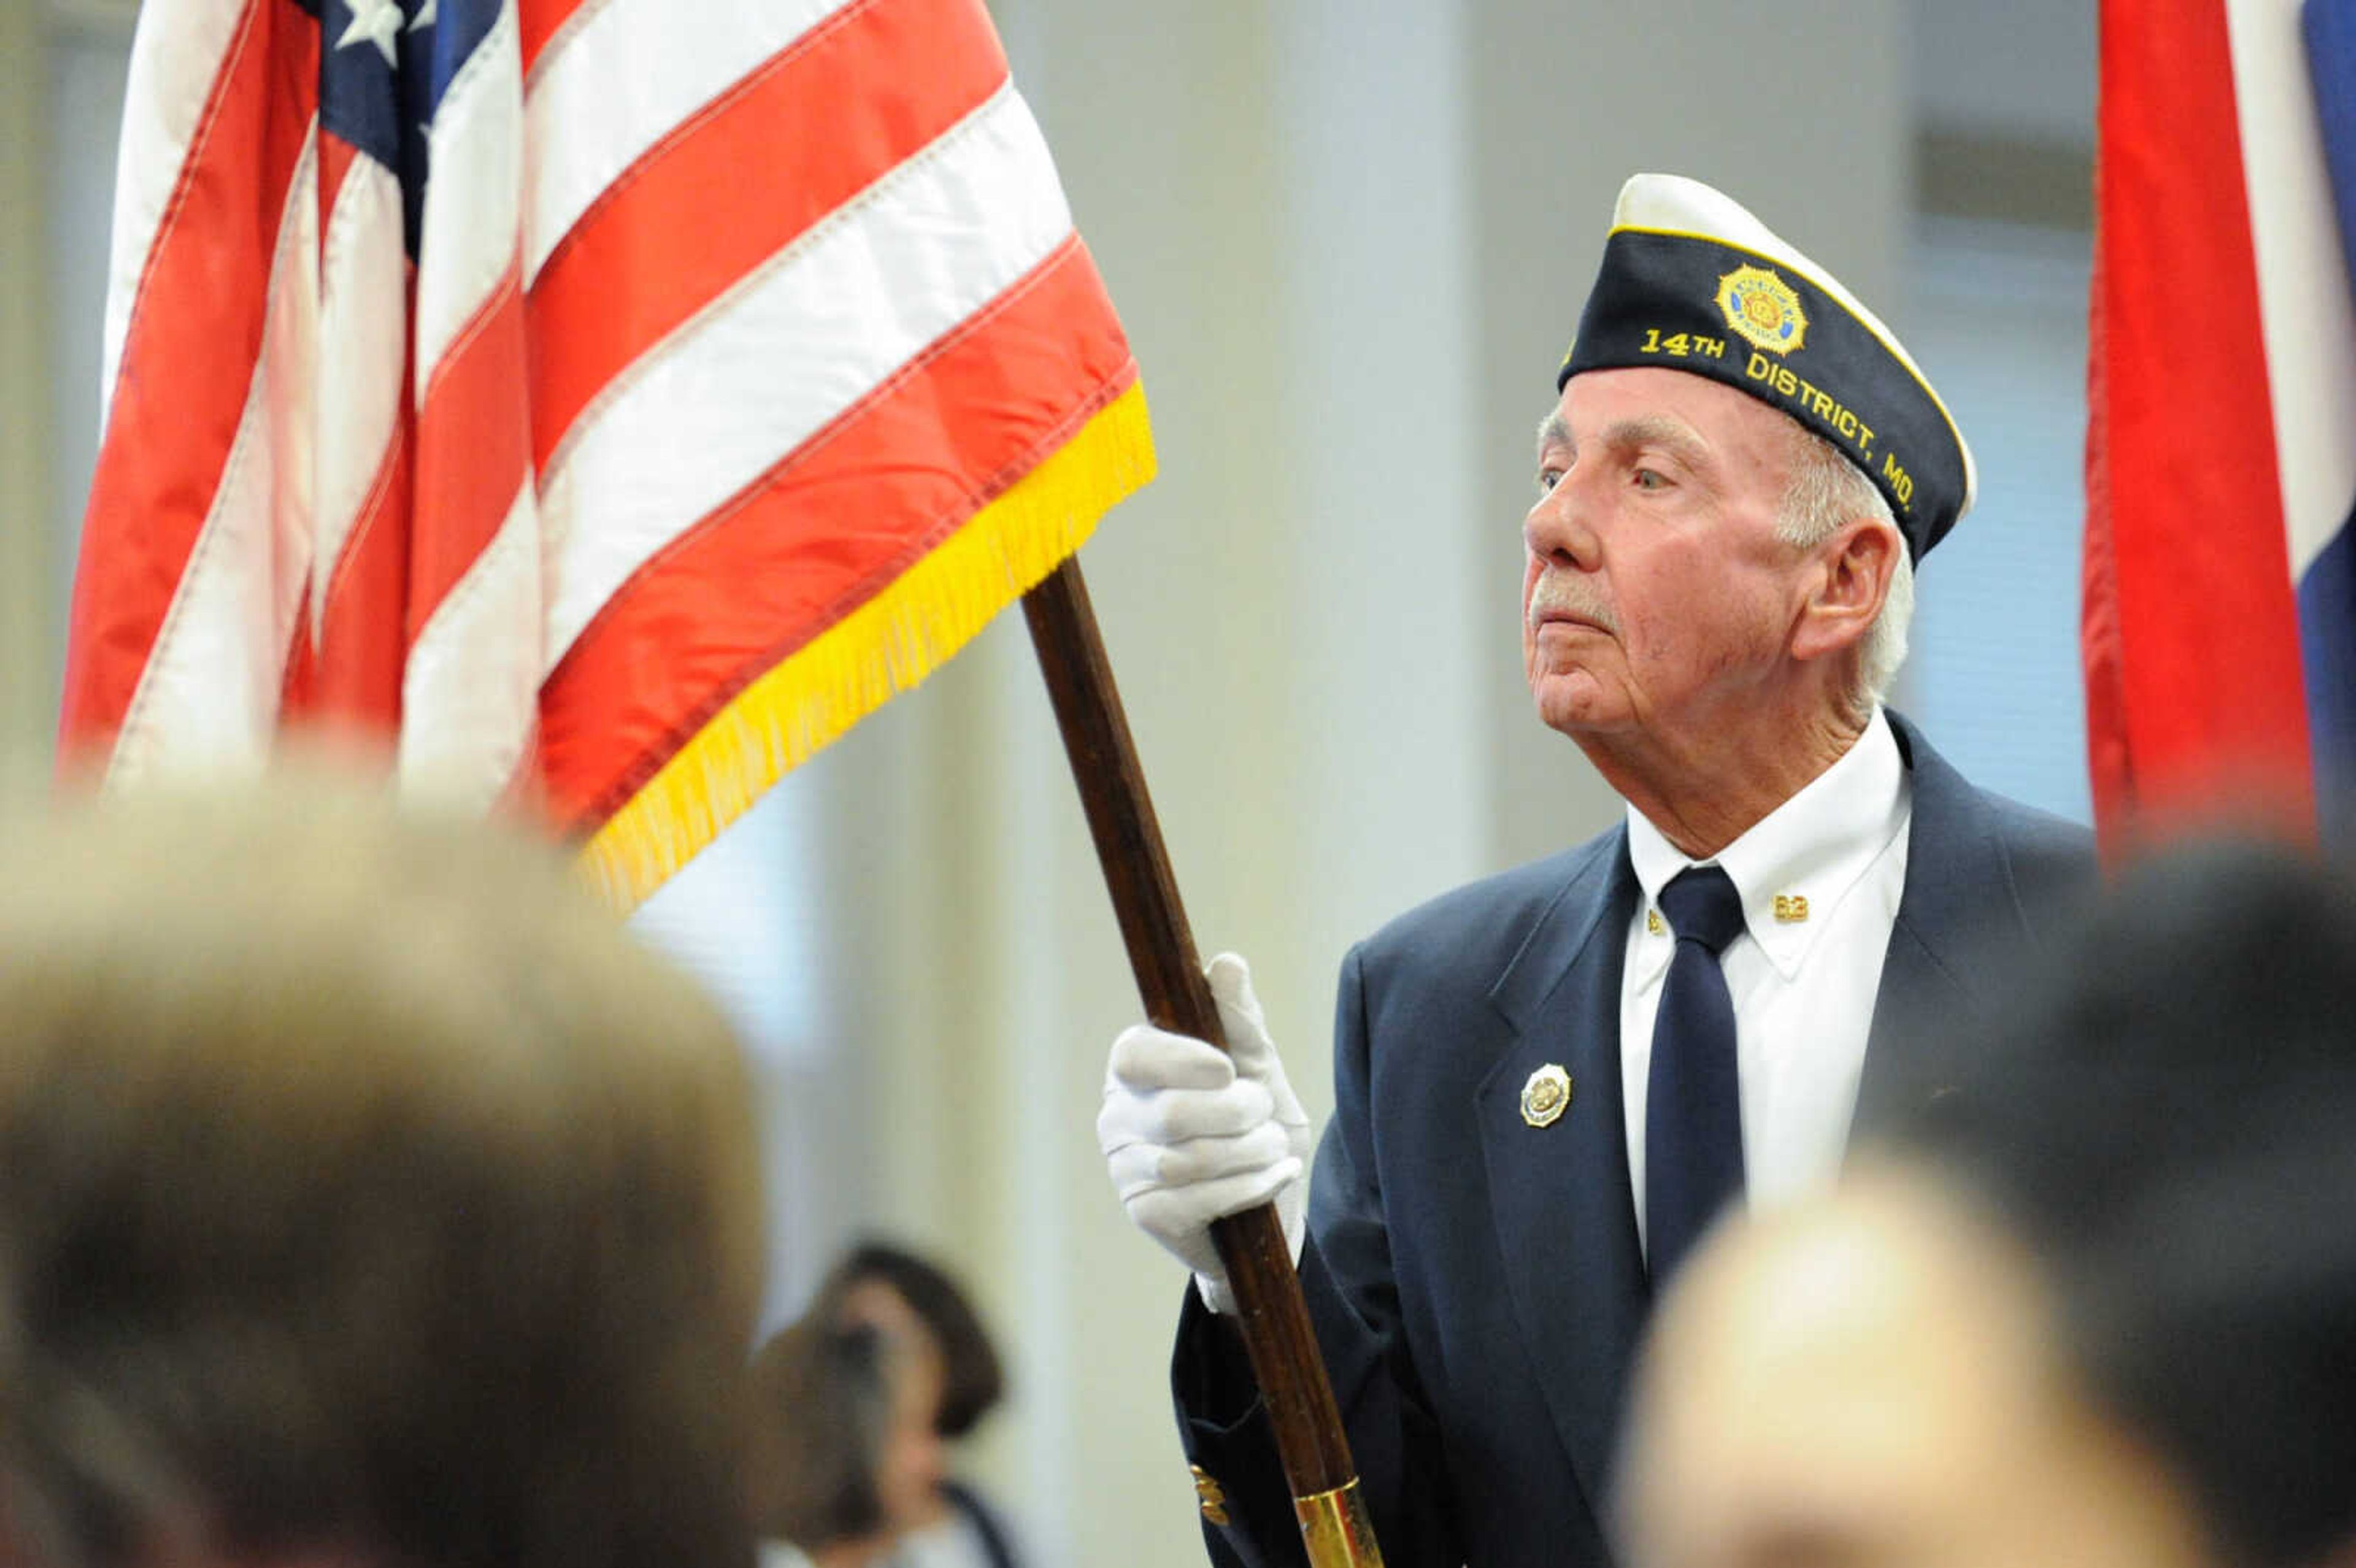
pixel 1692 282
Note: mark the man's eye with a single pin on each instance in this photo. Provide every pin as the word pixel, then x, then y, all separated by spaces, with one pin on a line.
pixel 1648 479
pixel 1549 478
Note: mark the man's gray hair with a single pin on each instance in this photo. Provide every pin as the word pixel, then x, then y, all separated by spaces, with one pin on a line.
pixel 1825 491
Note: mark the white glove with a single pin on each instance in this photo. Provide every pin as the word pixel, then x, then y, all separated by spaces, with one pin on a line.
pixel 1190 1135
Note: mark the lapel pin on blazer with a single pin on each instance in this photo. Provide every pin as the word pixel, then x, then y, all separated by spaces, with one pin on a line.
pixel 1545 1095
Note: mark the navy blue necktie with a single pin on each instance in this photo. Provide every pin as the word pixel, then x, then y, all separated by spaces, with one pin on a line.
pixel 1693 1107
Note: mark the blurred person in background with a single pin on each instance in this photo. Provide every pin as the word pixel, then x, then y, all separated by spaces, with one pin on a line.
pixel 367 1197
pixel 822 1489
pixel 959 1379
pixel 2090 1299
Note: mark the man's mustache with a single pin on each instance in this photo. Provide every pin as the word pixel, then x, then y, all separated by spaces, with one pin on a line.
pixel 1559 596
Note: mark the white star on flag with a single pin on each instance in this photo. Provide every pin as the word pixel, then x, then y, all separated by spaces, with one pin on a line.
pixel 424 18
pixel 376 22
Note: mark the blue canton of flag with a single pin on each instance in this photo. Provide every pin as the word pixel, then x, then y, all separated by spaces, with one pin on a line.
pixel 383 72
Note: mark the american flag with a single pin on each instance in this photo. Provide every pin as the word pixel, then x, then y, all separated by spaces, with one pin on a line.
pixel 601 402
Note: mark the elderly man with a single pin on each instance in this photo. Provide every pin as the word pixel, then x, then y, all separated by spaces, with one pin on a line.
pixel 1549 1082
pixel 367 1197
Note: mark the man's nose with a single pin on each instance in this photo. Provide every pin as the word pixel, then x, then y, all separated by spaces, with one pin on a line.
pixel 1556 528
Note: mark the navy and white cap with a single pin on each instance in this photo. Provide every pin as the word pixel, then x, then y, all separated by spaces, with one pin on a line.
pixel 1692 282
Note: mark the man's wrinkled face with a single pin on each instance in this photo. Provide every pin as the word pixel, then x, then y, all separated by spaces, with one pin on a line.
pixel 1871 1382
pixel 1657 592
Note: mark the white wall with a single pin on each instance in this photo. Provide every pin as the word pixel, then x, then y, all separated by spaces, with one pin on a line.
pixel 26 600
pixel 61 70
pixel 2016 69
pixel 1995 643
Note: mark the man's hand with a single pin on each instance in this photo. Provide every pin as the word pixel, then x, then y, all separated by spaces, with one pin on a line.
pixel 1190 1135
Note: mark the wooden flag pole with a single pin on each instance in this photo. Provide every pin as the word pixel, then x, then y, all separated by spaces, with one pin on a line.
pixel 1274 1319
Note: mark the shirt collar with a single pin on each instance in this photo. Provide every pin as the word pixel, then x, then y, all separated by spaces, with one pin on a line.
pixel 1813 847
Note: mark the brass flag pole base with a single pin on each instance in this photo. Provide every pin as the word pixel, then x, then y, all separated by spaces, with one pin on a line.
pixel 1270 1310
pixel 1334 1527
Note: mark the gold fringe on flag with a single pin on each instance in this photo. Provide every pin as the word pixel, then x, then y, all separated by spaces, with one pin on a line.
pixel 885 646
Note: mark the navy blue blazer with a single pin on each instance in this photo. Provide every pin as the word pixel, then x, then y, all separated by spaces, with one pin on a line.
pixel 1476 1284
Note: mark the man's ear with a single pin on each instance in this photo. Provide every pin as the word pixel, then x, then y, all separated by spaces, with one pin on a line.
pixel 1853 568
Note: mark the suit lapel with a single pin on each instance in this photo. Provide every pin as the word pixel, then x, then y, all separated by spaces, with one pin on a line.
pixel 1566 1223
pixel 1959 893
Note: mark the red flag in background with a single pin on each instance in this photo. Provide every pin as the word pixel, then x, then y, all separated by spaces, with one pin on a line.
pixel 2221 459
pixel 607 403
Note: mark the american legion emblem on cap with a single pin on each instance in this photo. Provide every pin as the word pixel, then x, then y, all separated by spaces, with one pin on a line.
pixel 1691 281
pixel 1763 308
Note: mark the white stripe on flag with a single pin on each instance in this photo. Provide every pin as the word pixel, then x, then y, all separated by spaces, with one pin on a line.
pixel 470 695
pixel 471 688
pixel 611 87
pixel 2303 299
pixel 364 302
pixel 830 318
pixel 476 153
pixel 209 695
pixel 175 53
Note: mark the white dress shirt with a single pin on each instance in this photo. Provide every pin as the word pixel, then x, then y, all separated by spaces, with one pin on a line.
pixel 1803 987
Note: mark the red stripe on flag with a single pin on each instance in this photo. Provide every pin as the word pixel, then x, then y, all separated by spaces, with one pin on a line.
pixel 2108 760
pixel 298 694
pixel 473 449
pixel 195 330
pixel 2194 697
pixel 647 257
pixel 363 642
pixel 537 22
pixel 832 524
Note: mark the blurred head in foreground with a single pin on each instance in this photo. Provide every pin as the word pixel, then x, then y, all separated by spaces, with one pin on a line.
pixel 365 1196
pixel 2093 1303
